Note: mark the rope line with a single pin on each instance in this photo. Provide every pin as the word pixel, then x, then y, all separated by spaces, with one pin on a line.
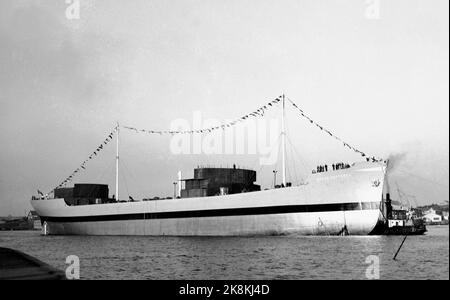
pixel 82 167
pixel 257 113
pixel 347 145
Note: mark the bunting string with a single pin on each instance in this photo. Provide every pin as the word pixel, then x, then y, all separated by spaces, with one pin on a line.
pixel 93 155
pixel 257 113
pixel 304 115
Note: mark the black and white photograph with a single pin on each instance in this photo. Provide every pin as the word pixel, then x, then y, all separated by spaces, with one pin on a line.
pixel 224 146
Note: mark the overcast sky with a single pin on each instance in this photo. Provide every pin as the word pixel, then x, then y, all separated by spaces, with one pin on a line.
pixel 379 83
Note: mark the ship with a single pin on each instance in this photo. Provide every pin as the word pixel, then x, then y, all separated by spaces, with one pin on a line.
pixel 400 221
pixel 226 202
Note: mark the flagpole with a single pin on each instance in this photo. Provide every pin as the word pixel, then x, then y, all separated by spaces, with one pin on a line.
pixel 117 164
pixel 283 140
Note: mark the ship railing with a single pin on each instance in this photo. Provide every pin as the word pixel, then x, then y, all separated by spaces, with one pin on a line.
pixel 45 197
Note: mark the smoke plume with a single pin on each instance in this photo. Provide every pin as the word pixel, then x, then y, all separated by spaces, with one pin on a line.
pixel 396 160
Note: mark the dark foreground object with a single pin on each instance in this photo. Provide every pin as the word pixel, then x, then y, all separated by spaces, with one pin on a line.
pixel 16 224
pixel 15 265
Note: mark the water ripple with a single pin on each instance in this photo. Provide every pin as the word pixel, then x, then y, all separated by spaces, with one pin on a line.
pixel 283 258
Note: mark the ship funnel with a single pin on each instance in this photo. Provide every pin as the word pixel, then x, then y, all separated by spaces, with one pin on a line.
pixel 388 204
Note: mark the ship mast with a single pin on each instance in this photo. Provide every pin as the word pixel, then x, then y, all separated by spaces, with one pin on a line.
pixel 117 164
pixel 283 141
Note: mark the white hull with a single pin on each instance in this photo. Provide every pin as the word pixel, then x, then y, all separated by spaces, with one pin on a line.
pixel 328 203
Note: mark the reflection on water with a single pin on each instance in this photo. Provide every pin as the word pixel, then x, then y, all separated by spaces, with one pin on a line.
pixel 286 257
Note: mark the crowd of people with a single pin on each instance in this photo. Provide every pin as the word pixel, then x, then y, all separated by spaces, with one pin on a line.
pixel 334 167
pixel 340 166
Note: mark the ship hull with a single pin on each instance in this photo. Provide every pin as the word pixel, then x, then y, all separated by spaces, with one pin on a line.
pixel 333 203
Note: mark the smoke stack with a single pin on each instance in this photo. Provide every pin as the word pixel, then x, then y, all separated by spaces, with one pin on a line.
pixel 387 191
pixel 388 203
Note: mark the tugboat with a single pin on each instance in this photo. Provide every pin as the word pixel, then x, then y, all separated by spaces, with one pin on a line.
pixel 401 222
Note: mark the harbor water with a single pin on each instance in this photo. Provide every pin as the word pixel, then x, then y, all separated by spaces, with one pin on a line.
pixel 271 257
